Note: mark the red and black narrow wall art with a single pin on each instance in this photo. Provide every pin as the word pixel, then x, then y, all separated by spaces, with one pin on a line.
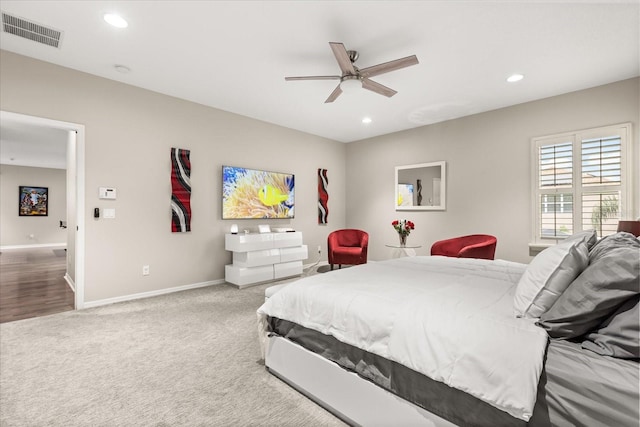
pixel 323 197
pixel 180 190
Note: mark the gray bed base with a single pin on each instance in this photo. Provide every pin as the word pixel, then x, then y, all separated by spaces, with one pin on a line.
pixel 354 400
pixel 577 388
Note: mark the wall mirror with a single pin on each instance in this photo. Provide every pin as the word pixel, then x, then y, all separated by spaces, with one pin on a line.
pixel 421 187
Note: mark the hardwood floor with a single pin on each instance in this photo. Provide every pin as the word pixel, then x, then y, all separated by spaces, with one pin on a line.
pixel 32 283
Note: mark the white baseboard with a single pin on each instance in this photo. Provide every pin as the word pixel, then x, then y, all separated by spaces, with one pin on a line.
pixel 34 246
pixel 70 282
pixel 149 294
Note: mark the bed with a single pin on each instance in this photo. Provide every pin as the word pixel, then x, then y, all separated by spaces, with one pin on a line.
pixel 439 341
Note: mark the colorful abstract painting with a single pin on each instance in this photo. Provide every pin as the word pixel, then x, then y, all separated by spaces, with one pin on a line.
pixel 323 197
pixel 180 190
pixel 33 201
pixel 253 193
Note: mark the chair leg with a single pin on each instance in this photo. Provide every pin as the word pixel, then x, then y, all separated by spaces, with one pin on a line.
pixel 331 267
pixel 339 266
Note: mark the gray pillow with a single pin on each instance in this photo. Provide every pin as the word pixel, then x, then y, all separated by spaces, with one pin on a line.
pixel 611 278
pixel 619 335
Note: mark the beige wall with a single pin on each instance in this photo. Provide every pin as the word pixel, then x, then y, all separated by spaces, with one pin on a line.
pixel 488 168
pixel 129 133
pixel 17 230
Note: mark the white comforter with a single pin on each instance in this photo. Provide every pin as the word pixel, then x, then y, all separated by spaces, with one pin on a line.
pixel 450 319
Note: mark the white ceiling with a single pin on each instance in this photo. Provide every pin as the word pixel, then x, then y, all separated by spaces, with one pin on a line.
pixel 23 144
pixel 234 55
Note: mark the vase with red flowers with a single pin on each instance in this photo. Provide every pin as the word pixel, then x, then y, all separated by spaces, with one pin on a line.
pixel 403 227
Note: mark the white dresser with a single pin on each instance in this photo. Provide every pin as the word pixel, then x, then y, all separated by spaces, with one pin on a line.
pixel 262 257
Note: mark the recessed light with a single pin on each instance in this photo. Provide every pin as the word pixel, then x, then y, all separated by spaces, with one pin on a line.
pixel 515 78
pixel 122 69
pixel 116 20
pixel 366 120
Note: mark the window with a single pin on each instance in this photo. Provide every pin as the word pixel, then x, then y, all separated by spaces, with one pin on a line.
pixel 581 181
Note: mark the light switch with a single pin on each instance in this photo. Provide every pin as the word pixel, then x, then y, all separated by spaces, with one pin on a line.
pixel 109 213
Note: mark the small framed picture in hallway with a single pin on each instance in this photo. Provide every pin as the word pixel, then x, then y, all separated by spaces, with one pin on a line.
pixel 34 201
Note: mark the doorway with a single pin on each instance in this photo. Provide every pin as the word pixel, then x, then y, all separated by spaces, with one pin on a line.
pixel 73 268
pixel 32 283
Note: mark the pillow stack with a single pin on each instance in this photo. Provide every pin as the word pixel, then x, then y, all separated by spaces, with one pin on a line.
pixel 599 305
pixel 550 273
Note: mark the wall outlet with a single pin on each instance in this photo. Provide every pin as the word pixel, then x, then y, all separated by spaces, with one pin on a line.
pixel 319 249
pixel 145 270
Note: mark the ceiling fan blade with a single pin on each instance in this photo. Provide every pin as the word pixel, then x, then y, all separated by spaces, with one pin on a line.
pixel 389 66
pixel 336 93
pixel 312 78
pixel 342 56
pixel 378 88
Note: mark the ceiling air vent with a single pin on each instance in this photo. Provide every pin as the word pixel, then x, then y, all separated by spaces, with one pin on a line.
pixel 30 30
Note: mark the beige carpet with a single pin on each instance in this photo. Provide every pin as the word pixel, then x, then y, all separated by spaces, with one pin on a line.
pixel 186 359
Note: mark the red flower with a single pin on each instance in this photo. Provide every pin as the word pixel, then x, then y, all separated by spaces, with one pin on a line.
pixel 403 227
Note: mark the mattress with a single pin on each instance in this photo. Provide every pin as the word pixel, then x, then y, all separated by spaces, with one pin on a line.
pixel 577 387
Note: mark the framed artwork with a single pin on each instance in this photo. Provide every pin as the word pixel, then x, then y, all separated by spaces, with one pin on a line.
pixel 33 201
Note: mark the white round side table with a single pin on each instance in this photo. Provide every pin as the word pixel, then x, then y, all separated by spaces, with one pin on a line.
pixel 402 251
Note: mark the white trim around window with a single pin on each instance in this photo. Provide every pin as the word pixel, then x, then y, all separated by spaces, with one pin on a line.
pixel 580 180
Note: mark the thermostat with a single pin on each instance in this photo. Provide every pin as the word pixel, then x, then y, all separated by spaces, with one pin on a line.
pixel 107 193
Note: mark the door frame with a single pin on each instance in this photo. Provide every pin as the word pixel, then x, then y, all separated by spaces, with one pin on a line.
pixel 79 275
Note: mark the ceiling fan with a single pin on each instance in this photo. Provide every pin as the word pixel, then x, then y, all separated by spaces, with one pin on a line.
pixel 351 73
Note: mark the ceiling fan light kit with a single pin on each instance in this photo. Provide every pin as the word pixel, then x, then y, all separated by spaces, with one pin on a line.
pixel 350 83
pixel 352 77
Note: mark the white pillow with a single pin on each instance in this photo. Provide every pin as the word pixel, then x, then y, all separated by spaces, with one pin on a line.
pixel 588 236
pixel 548 275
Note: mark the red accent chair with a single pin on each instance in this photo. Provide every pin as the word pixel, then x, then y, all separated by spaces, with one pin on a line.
pixel 348 247
pixel 481 246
